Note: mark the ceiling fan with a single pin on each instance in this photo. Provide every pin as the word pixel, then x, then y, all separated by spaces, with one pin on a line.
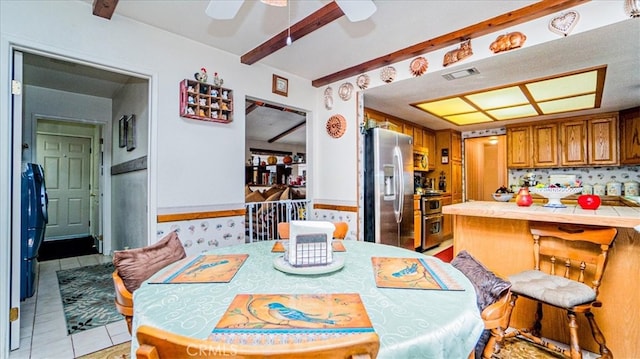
pixel 354 10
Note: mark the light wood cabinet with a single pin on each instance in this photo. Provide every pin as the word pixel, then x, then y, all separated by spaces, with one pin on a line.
pixel 447 219
pixel 592 141
pixel 417 222
pixel 519 147
pixel 451 170
pixel 429 141
pixel 456 181
pixel 456 146
pixel 407 129
pixel 582 141
pixel 545 150
pixel 630 136
pixel 602 138
pixel 573 143
pixel 417 137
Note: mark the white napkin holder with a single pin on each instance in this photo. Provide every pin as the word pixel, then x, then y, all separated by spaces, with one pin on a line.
pixel 310 243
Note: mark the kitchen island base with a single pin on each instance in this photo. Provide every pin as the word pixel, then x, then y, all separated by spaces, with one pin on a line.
pixel 505 247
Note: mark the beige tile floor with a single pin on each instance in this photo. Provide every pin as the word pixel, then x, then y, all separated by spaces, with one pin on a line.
pixel 43 330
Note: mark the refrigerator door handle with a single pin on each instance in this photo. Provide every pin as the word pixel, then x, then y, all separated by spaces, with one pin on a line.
pixel 399 176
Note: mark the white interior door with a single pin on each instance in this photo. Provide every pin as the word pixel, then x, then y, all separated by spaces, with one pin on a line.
pixel 67 168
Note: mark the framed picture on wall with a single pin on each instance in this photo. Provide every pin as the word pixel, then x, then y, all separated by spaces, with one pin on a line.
pixel 131 132
pixel 280 85
pixel 122 131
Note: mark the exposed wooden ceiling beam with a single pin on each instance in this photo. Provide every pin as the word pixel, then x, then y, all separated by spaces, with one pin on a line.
pixel 275 138
pixel 256 104
pixel 309 24
pixel 104 8
pixel 500 22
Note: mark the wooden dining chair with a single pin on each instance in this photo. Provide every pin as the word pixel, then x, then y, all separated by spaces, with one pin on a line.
pixel 341 230
pixel 582 251
pixel 493 298
pixel 158 344
pixel 124 299
pixel 339 233
pixel 283 230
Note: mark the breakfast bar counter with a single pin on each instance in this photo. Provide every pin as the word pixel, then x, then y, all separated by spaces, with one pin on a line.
pixel 497 234
pixel 613 216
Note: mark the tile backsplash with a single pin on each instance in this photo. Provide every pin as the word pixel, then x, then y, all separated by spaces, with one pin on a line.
pixel 588 175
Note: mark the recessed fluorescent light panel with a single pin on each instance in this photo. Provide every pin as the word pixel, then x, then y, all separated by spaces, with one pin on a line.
pixel 573 91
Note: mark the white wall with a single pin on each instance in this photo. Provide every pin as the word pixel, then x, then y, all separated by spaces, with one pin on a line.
pixel 192 164
pixel 55 104
pixel 129 191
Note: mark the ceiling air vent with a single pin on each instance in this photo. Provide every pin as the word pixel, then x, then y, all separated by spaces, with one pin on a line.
pixel 460 74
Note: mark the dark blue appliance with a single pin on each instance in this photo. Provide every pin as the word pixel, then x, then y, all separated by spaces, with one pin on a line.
pixel 34 222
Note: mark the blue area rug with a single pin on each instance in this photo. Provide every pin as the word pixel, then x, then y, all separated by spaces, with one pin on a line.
pixel 88 297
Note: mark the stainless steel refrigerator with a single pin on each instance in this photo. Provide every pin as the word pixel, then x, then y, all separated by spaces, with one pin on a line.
pixel 388 188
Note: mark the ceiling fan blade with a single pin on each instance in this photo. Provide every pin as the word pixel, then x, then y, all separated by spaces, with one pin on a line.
pixel 223 9
pixel 357 10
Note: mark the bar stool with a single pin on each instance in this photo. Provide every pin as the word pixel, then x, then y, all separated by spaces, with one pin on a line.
pixel 584 246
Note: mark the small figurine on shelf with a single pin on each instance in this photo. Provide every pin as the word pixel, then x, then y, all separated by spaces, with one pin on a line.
pixel 215 106
pixel 203 102
pixel 201 113
pixel 214 114
pixel 214 92
pixel 190 99
pixel 201 76
pixel 190 88
pixel 190 111
pixel 217 81
pixel 225 95
pixel 224 107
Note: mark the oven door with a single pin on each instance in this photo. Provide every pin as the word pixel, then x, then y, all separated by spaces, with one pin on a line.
pixel 431 205
pixel 432 234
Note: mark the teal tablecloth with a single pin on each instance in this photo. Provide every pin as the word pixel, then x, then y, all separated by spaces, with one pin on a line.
pixel 411 323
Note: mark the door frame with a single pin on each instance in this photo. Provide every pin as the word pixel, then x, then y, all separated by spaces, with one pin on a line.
pixel 11 132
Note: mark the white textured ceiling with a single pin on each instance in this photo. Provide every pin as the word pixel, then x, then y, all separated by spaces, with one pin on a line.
pixel 395 25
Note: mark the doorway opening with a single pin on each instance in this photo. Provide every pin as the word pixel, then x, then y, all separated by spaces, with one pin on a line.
pixel 485 166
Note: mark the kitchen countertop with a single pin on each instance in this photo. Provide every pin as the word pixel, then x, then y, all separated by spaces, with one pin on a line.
pixel 615 216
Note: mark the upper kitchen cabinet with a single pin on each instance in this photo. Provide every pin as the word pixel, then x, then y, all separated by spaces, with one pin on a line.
pixel 417 137
pixel 448 166
pixel 630 136
pixel 545 151
pixel 568 142
pixel 519 147
pixel 573 143
pixel 429 141
pixel 589 141
pixel 383 119
pixel 456 146
pixel 602 135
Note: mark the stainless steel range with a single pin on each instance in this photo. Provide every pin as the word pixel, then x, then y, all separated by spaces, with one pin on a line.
pixel 431 208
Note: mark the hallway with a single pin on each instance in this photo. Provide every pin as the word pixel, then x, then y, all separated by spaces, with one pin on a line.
pixel 43 332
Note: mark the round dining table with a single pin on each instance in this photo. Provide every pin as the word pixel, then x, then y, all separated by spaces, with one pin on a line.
pixel 411 323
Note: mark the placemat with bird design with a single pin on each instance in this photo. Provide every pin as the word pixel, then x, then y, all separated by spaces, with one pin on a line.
pixel 262 319
pixel 205 269
pixel 411 273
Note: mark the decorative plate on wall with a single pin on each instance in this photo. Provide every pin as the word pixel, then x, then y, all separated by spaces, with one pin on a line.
pixel 336 126
pixel 419 66
pixel 345 90
pixel 363 81
pixel 564 23
pixel 328 98
pixel 388 74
